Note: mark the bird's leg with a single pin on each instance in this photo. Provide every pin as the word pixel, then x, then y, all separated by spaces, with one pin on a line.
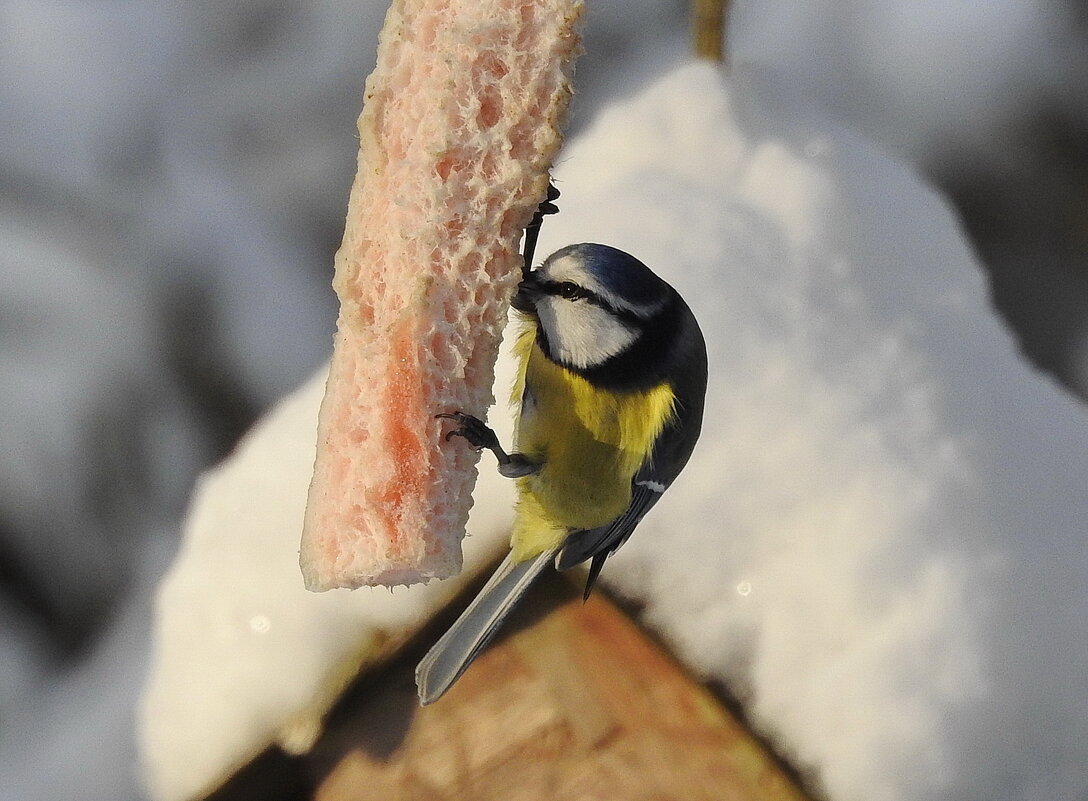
pixel 475 430
pixel 532 230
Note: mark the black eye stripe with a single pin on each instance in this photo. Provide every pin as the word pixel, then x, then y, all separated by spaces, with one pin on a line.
pixel 571 291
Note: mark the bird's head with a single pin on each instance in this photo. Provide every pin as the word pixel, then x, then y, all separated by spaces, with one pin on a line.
pixel 592 302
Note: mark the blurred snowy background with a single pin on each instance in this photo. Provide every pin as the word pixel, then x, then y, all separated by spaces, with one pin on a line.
pixel 173 178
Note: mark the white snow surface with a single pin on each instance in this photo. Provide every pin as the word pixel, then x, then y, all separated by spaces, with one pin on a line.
pixel 878 545
pixel 242 651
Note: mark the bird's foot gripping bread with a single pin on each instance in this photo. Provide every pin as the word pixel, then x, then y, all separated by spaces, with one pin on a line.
pixel 460 124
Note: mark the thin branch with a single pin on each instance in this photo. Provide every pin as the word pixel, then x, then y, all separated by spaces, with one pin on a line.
pixel 708 28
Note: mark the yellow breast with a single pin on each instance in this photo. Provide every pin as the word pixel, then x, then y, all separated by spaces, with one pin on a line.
pixel 591 443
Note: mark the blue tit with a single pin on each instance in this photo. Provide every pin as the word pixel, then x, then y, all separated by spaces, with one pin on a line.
pixel 612 373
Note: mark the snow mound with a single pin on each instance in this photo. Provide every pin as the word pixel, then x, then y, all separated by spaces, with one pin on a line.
pixel 244 655
pixel 879 544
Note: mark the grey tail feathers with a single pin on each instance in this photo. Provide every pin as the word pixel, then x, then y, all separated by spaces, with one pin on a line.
pixel 455 650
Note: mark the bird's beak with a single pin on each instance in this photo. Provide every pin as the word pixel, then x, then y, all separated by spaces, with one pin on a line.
pixel 528 293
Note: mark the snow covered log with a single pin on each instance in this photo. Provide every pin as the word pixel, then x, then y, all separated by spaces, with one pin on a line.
pixel 460 125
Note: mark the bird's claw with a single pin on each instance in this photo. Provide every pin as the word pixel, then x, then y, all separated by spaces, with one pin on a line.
pixel 473 429
pixel 532 230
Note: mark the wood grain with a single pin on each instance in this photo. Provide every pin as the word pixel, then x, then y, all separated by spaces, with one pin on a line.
pixel 575 702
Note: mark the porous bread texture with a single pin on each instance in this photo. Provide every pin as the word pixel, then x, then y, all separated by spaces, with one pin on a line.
pixel 460 124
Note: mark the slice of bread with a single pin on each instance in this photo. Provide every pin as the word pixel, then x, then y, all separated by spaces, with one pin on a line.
pixel 460 124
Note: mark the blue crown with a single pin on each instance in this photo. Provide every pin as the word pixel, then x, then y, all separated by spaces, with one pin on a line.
pixel 617 270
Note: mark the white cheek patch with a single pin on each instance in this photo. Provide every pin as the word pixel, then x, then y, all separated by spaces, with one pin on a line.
pixel 581 334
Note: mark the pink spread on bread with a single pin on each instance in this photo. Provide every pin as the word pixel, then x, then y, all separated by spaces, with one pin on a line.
pixel 460 123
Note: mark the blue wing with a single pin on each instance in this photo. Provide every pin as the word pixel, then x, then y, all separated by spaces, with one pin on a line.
pixel 601 542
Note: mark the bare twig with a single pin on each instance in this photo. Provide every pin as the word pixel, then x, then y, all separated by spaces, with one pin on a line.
pixel 708 28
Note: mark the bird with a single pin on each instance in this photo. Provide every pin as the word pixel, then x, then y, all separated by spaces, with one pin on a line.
pixel 611 381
